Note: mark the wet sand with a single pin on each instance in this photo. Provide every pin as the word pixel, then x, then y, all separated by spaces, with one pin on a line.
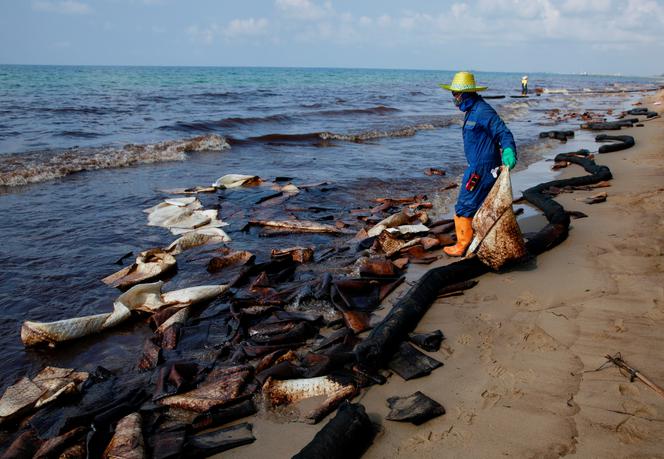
pixel 521 346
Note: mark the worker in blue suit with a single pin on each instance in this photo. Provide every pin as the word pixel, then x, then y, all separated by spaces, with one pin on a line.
pixel 487 143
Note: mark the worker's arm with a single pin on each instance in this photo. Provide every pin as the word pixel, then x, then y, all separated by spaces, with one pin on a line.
pixel 503 136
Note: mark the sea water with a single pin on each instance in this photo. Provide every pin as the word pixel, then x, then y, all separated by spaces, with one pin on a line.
pixel 62 231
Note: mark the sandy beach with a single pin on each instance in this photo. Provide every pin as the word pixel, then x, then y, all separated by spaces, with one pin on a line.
pixel 522 346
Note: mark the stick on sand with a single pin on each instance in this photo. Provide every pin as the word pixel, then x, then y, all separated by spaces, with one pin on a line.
pixel 634 374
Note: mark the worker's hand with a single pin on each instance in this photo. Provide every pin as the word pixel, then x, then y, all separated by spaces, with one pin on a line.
pixel 509 158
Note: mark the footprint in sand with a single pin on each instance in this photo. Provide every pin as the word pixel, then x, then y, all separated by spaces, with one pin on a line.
pixel 638 408
pixel 535 339
pixel 465 339
pixel 490 399
pixel 632 430
pixel 619 326
pixel 527 301
pixel 628 390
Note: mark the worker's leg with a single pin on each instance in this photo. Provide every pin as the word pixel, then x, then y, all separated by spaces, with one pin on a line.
pixel 464 234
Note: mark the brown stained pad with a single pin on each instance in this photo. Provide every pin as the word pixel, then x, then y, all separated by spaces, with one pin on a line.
pixel 331 402
pixel 498 239
pixel 151 355
pixel 149 265
pixel 397 219
pixel 58 382
pixel 433 171
pixel 296 226
pixel 298 254
pixel 429 243
pixel 162 316
pixel 19 399
pixel 197 238
pixel 51 333
pixel 236 180
pixel 25 446
pixel 78 450
pixel 53 447
pixel 127 441
pixel 169 336
pixel 49 384
pixel 241 257
pixel 401 263
pixel 269 360
pixel 221 387
pixel 596 198
pixel 192 190
pixel 262 281
pixel 391 244
pixel 280 332
pixel 446 239
pixel 357 321
pixel 290 392
pixel 174 377
pixel 421 205
pixel 384 206
pixel 417 254
pixel 377 267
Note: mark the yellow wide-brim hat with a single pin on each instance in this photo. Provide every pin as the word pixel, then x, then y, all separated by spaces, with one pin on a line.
pixel 463 82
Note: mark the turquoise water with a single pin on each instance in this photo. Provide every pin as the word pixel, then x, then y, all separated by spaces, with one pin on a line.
pixel 50 107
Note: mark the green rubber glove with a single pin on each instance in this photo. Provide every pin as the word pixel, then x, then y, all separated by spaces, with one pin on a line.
pixel 509 158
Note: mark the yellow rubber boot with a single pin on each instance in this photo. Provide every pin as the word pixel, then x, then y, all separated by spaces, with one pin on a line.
pixel 464 233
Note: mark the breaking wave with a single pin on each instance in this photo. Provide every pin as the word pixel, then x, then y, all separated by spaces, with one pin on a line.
pixel 225 123
pixel 232 122
pixel 323 137
pixel 34 167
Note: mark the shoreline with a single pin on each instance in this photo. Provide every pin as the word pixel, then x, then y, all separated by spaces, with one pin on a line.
pixel 521 346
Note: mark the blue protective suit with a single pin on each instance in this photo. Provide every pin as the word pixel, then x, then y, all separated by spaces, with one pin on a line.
pixel 484 134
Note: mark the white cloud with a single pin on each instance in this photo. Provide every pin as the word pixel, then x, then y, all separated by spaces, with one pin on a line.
pixel 303 9
pixel 578 6
pixel 235 29
pixel 246 27
pixel 591 25
pixel 63 7
pixel 203 35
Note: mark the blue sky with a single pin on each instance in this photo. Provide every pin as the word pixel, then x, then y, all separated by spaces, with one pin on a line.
pixel 567 36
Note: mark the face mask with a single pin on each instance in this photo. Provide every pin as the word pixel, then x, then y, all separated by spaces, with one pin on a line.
pixel 466 101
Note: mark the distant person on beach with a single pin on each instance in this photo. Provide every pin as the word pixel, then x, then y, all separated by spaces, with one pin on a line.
pixel 486 142
pixel 524 85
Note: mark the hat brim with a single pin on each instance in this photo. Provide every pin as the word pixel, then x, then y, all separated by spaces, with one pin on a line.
pixel 475 89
